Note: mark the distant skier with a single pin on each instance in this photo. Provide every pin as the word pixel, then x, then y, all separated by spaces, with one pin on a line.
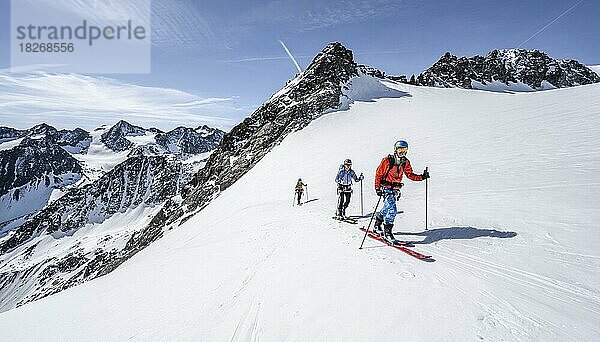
pixel 388 181
pixel 344 179
pixel 300 189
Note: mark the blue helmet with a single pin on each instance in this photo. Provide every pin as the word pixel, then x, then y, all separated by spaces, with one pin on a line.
pixel 400 144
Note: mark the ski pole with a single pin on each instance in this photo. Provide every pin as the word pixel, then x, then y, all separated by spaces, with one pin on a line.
pixel 426 191
pixel 371 220
pixel 294 199
pixel 306 193
pixel 362 213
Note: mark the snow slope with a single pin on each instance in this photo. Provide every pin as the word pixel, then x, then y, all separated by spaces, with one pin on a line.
pixel 9 144
pixel 595 68
pixel 110 235
pixel 513 231
pixel 99 159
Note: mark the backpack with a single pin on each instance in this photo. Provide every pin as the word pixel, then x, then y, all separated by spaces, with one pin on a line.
pixel 392 163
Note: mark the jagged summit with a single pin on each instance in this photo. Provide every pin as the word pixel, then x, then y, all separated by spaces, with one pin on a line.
pixel 126 127
pixel 115 139
pixel 42 128
pixel 190 140
pixel 206 131
pixel 64 137
pixel 532 68
pixel 334 57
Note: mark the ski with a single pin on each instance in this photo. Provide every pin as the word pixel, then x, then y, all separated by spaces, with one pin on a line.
pixel 345 219
pixel 404 249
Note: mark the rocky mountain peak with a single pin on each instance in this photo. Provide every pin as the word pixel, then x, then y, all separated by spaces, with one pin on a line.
pixel 334 56
pixel 42 128
pixel 206 131
pixel 533 68
pixel 125 128
pixel 189 140
pixel 115 139
pixel 74 139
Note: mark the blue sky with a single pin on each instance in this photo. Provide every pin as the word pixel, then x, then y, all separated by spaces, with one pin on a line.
pixel 230 50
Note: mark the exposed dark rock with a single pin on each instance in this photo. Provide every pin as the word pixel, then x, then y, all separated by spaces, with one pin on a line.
pixel 371 71
pixel 531 67
pixel 8 133
pixel 137 180
pixel 115 139
pixel 33 160
pixel 189 140
pixel 76 137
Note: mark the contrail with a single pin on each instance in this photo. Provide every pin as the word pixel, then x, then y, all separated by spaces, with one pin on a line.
pixel 292 57
pixel 550 23
pixel 260 59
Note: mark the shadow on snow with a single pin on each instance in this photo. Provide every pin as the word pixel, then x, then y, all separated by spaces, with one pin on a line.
pixel 458 233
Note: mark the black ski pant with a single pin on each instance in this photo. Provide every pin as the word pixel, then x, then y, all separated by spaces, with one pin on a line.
pixel 343 202
pixel 299 193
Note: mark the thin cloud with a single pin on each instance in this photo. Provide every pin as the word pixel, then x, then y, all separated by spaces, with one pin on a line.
pixel 313 15
pixel 177 24
pixel 174 24
pixel 204 102
pixel 71 100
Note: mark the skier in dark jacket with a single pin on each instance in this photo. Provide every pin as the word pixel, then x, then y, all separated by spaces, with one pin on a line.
pixel 344 179
pixel 300 189
pixel 388 181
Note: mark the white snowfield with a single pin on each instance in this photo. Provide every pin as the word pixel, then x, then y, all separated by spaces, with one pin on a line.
pixel 513 217
pixel 99 159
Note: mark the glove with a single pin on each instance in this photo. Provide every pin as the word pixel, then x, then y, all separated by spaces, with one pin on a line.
pixel 361 177
pixel 379 192
pixel 425 174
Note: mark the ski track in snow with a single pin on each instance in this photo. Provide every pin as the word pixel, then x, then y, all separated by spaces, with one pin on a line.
pixel 512 229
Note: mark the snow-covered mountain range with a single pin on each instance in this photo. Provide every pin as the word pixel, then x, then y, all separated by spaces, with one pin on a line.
pixel 62 189
pixel 506 70
pixel 511 225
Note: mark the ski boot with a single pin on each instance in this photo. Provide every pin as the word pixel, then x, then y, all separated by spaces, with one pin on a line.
pixel 388 235
pixel 377 227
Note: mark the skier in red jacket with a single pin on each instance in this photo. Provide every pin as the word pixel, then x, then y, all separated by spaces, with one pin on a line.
pixel 388 181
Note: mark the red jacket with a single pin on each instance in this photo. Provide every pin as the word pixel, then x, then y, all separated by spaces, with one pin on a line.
pixel 394 176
